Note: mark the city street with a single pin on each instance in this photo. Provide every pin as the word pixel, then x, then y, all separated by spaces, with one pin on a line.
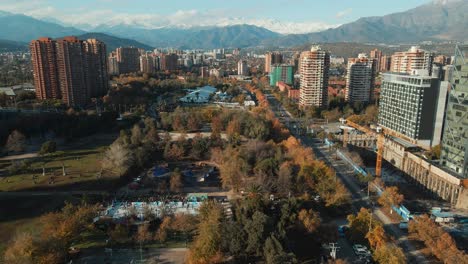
pixel 346 174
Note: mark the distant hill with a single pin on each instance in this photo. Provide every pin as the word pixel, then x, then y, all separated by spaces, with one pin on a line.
pixel 439 20
pixel 194 38
pixel 23 28
pixel 113 42
pixel 8 45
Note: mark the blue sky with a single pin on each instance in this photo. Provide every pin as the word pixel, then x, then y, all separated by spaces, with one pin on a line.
pixel 321 13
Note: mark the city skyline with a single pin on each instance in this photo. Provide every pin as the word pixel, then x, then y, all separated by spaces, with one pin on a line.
pixel 274 15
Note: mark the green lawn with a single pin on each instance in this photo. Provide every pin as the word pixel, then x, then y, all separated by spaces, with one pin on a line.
pixel 80 166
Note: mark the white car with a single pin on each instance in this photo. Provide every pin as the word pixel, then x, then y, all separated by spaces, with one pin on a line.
pixel 361 250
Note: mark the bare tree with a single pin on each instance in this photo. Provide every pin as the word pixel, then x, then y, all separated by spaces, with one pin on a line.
pixel 15 142
pixel 117 157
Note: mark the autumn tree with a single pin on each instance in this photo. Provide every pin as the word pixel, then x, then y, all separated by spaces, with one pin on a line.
pixel 20 250
pixel 359 224
pixel 206 248
pixel 233 131
pixel 164 227
pixel 390 197
pixel 175 182
pixel 232 169
pixel 143 234
pixel 309 220
pixel 389 253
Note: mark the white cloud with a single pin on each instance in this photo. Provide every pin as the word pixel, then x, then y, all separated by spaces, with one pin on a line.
pixel 344 13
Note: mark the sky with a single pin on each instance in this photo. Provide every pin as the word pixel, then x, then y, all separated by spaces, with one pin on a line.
pixel 309 15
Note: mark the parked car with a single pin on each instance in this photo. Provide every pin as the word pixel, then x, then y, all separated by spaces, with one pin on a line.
pixel 361 251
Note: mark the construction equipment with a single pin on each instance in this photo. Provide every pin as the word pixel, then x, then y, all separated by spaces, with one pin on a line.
pixel 379 134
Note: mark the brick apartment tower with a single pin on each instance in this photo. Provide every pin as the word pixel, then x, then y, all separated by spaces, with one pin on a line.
pixel 69 69
pixel 314 67
pixel 128 59
pixel 97 62
pixel 377 56
pixel 169 62
pixel 43 57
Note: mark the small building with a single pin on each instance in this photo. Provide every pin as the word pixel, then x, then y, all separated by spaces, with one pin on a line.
pixel 199 96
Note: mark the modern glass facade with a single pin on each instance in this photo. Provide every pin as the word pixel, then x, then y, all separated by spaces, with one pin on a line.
pixel 282 73
pixel 454 153
pixel 408 104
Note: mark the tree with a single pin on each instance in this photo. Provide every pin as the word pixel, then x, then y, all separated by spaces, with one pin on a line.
pixel 274 253
pixel 161 233
pixel 117 157
pixel 119 234
pixel 390 197
pixel 389 254
pixel 206 248
pixel 377 237
pixel 137 135
pixel 48 147
pixel 173 151
pixel 143 234
pixel 257 229
pixel 15 142
pixel 233 130
pixel 322 135
pixel 20 250
pixel 284 178
pixel 175 183
pixel 232 169
pixel 359 225
pixel 309 220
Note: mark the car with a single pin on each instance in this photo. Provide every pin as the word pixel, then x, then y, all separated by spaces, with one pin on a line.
pixel 342 230
pixel 361 251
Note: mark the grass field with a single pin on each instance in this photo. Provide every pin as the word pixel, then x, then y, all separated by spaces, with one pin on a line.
pixel 81 160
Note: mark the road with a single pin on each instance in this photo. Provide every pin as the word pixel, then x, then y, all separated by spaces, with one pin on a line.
pixel 346 174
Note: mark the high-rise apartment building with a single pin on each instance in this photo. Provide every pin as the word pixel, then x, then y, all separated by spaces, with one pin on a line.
pixel 385 63
pixel 242 68
pixel 73 71
pixel 360 79
pixel 97 63
pixel 377 56
pixel 169 62
pixel 129 59
pixel 147 63
pixel 204 72
pixel 69 69
pixel 454 154
pixel 413 105
pixel 282 73
pixel 314 67
pixel 272 58
pixel 45 73
pixel 113 64
pixel 411 60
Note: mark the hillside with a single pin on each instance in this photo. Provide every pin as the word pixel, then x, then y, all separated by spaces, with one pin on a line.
pixel 8 45
pixel 194 38
pixel 113 42
pixel 23 28
pixel 440 20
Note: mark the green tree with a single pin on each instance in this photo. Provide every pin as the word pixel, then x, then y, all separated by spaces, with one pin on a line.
pixel 274 253
pixel 257 230
pixel 48 147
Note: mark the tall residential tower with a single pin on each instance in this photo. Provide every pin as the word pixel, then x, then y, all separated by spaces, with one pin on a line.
pixel 360 79
pixel 314 67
